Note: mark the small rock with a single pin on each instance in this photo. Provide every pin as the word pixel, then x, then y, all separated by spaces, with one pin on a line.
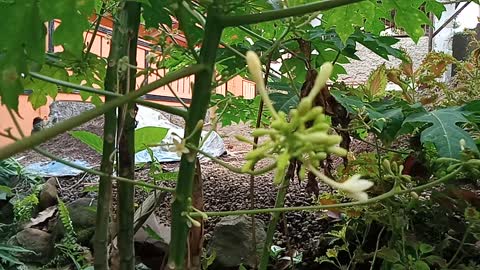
pixel 232 242
pixel 37 241
pixel 48 195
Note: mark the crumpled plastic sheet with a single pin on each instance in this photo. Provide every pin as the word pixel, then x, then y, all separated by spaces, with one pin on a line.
pixel 213 145
pixel 55 168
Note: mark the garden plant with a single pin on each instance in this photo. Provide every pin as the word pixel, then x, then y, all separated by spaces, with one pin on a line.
pixel 409 203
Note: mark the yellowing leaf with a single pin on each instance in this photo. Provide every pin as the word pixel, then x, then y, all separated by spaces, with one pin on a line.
pixel 377 83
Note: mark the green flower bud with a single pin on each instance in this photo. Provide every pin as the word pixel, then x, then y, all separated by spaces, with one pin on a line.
pixel 305 105
pixel 387 167
pixel 321 156
pixel 394 168
pixel 302 173
pixel 262 132
pixel 337 151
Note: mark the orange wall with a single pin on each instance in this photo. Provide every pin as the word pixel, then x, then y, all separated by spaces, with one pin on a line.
pixel 25 117
pixel 101 46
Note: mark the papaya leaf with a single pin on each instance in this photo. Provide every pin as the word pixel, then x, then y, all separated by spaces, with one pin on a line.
pixel 74 16
pixel 408 16
pixel 155 13
pixel 348 17
pixel 440 128
pixel 147 136
pixel 22 40
pixel 41 89
pixel 284 102
pixel 92 140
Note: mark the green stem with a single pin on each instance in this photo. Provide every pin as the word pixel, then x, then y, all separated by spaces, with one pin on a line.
pixel 330 206
pixel 95 30
pixel 200 100
pixel 101 174
pixel 66 125
pixel 165 108
pixel 464 238
pixel 272 226
pixel 377 246
pixel 232 168
pixel 236 20
pixel 126 32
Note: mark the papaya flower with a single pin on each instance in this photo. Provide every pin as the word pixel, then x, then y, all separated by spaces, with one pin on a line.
pixel 179 147
pixel 354 187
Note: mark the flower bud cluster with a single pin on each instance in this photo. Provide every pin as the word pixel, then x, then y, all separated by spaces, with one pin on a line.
pixel 289 137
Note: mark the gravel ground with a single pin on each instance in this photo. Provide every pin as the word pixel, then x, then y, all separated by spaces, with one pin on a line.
pixel 223 190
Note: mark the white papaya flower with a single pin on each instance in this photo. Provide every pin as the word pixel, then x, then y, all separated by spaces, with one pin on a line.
pixel 354 187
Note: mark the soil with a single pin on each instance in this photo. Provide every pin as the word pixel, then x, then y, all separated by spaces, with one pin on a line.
pixel 223 190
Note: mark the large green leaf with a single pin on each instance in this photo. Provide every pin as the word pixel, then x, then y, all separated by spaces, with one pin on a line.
pixel 74 16
pixel 155 13
pixel 22 40
pixel 409 16
pixel 143 137
pixel 442 130
pixel 380 45
pixel 148 136
pixel 92 140
pixel 41 89
pixel 284 101
pixel 347 18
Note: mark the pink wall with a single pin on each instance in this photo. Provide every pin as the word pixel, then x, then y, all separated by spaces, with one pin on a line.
pixel 101 46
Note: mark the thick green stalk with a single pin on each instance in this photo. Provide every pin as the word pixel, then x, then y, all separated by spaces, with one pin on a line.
pixel 173 110
pixel 373 200
pixel 46 134
pixel 200 100
pixel 272 226
pixel 128 25
pixel 236 20
pixel 114 83
pixel 100 244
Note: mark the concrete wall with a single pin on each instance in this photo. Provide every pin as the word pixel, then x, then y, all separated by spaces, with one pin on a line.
pixel 358 71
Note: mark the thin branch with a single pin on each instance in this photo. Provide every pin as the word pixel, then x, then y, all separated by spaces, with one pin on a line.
pixel 95 30
pixel 233 168
pixel 165 108
pixel 236 20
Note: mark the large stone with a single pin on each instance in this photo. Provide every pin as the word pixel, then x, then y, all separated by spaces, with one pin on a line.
pixel 232 242
pixel 83 216
pixel 151 249
pixel 37 241
pixel 82 213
